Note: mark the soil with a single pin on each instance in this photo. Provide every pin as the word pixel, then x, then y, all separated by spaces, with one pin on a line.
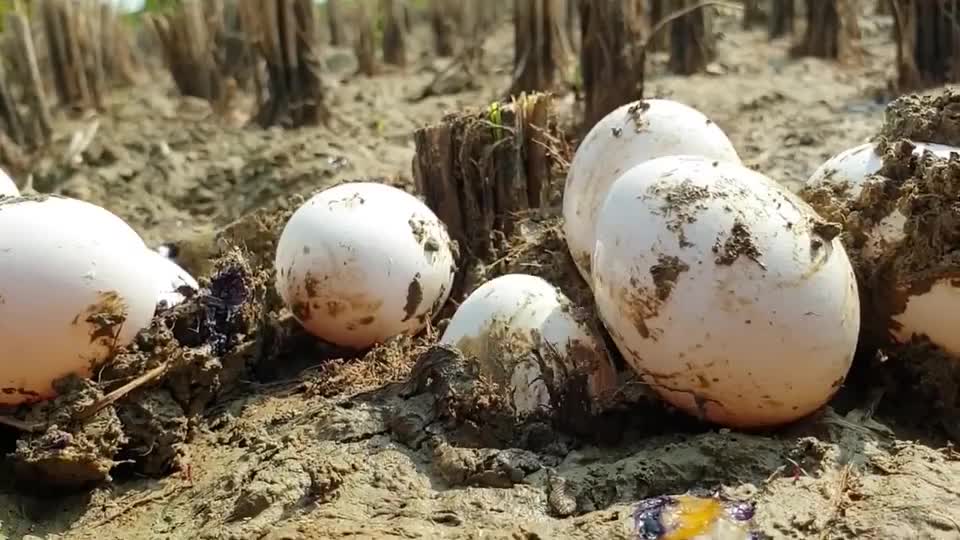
pixel 251 429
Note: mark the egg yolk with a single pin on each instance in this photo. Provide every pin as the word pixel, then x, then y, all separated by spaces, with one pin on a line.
pixel 692 517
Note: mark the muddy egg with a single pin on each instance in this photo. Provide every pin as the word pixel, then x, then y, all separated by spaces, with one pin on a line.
pixel 73 289
pixel 724 291
pixel 7 187
pixel 526 337
pixel 173 279
pixel 849 172
pixel 632 134
pixel 362 262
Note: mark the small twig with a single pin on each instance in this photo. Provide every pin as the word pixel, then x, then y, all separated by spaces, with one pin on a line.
pixel 28 427
pixel 112 397
pixel 662 23
pixel 140 501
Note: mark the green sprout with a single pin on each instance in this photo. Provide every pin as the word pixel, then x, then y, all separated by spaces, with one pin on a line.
pixel 496 118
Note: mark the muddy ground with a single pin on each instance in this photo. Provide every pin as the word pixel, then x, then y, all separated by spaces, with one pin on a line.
pixel 335 451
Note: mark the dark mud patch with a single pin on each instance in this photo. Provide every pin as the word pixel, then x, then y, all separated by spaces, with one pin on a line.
pixel 665 274
pixel 738 243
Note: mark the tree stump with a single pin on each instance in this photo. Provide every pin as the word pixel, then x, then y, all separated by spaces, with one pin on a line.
pixel 540 50
pixel 335 23
pixel 478 170
pixel 657 11
pixel 443 21
pixel 831 31
pixel 285 32
pixel 187 36
pixel 612 56
pixel 753 14
pixel 928 43
pixel 692 43
pixel 394 32
pixel 781 20
pixel 41 129
pixel 364 45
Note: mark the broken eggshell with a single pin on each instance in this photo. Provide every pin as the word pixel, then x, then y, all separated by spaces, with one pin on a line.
pixel 689 517
pixel 73 290
pixel 361 262
pixel 7 187
pixel 173 279
pixel 524 335
pixel 724 291
pixel 630 135
pixel 848 173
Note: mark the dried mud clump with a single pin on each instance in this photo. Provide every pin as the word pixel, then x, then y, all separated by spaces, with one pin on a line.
pixel 141 406
pixel 69 454
pixel 902 232
pixel 924 118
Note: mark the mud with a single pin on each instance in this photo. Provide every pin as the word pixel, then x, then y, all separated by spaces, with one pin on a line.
pixel 256 430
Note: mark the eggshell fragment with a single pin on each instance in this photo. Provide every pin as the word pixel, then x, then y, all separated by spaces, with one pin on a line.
pixel 631 134
pixel 927 313
pixel 850 171
pixel 724 291
pixel 172 279
pixel 362 262
pixel 7 187
pixel 525 336
pixel 73 289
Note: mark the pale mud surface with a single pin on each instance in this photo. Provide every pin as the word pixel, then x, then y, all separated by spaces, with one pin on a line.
pixel 288 455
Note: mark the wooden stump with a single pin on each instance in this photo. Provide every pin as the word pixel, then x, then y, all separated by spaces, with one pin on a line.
pixel 831 31
pixel 364 45
pixel 781 20
pixel 656 12
pixel 41 129
pixel 443 21
pixel 692 43
pixel 187 37
pixel 77 50
pixel 612 56
pixel 753 14
pixel 335 23
pixel 928 43
pixel 477 170
pixel 394 32
pixel 540 50
pixel 285 32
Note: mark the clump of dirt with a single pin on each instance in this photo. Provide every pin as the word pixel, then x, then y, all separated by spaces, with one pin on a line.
pixel 920 250
pixel 931 118
pixel 140 409
pixel 65 453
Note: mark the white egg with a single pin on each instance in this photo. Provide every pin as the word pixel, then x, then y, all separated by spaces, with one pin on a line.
pixel 172 279
pixel 525 336
pixel 72 289
pixel 850 171
pixel 7 187
pixel 724 291
pixel 925 315
pixel 630 135
pixel 362 262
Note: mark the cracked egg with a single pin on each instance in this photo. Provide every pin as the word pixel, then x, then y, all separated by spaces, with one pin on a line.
pixel 362 262
pixel 725 292
pixel 527 338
